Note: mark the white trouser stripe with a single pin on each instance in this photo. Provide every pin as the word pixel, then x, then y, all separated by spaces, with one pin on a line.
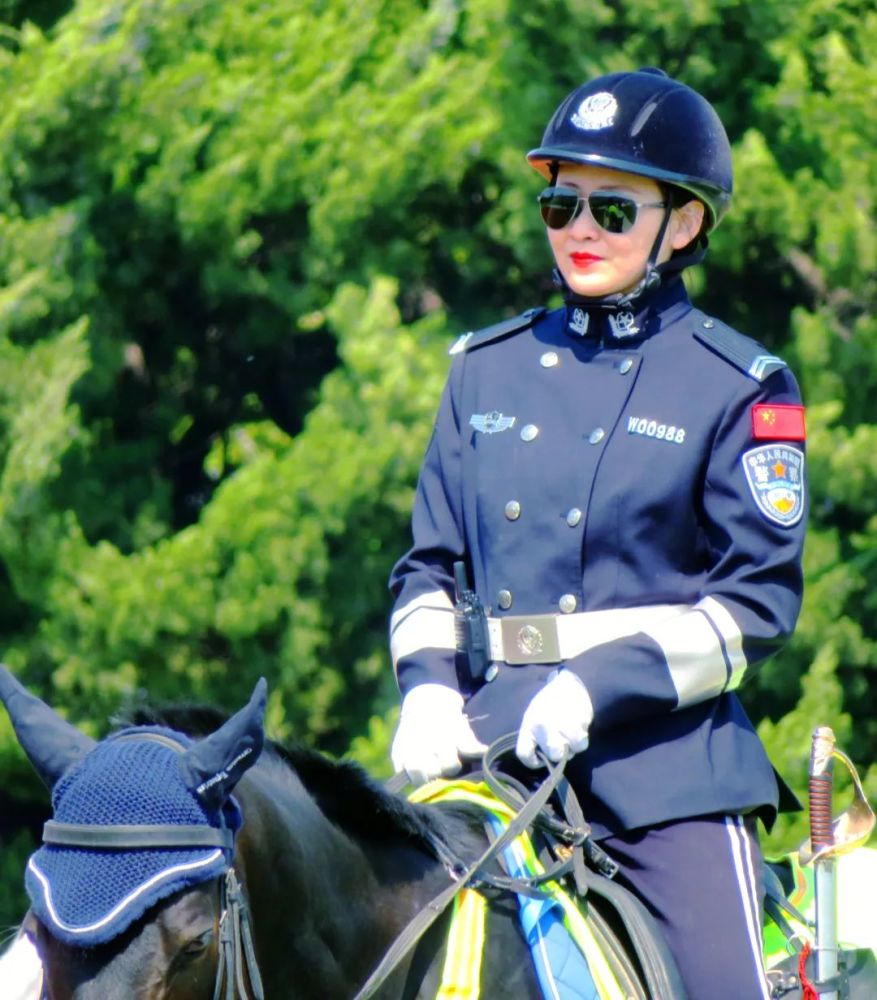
pixel 427 622
pixel 741 851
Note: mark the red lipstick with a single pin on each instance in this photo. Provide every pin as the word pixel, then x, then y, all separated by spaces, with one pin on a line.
pixel 582 259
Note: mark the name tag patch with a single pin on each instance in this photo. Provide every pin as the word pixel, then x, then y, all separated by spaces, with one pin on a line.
pixel 655 429
pixel 776 479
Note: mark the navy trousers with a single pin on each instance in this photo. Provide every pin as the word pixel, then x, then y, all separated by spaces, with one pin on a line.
pixel 701 879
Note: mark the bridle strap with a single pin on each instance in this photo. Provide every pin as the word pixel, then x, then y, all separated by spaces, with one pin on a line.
pixel 427 916
pixel 135 836
pixel 236 949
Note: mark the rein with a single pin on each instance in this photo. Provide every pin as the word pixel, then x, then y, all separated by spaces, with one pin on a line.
pixel 527 815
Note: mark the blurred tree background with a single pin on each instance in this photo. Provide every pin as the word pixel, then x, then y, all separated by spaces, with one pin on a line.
pixel 236 240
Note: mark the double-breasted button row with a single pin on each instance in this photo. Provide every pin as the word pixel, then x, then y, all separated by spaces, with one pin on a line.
pixel 567 603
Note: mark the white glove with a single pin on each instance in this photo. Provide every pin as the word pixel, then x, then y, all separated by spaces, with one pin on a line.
pixel 556 720
pixel 432 732
pixel 20 970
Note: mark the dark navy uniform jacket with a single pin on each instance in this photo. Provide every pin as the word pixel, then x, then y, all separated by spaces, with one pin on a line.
pixel 623 475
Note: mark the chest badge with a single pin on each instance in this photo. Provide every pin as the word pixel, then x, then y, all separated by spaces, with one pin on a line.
pixel 775 474
pixel 491 423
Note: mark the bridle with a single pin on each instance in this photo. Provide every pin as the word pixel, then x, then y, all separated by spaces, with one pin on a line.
pixel 236 952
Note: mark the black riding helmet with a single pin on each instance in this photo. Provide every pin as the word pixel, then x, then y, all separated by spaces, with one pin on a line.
pixel 645 123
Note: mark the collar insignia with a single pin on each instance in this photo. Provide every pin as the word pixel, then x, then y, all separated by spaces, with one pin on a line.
pixel 491 423
pixel 623 324
pixel 578 323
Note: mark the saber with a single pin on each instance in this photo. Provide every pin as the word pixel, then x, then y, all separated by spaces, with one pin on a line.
pixel 822 845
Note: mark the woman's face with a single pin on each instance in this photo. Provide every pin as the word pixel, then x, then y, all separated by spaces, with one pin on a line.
pixel 594 262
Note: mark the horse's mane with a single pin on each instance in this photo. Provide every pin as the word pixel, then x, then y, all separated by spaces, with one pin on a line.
pixel 345 792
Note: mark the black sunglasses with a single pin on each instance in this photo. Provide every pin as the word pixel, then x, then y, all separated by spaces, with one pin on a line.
pixel 616 213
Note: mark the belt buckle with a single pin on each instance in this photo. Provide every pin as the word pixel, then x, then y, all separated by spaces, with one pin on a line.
pixel 530 639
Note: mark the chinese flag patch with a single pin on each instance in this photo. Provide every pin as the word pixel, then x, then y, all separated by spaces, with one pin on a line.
pixel 778 422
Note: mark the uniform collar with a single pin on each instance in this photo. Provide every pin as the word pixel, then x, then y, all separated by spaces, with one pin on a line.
pixel 615 326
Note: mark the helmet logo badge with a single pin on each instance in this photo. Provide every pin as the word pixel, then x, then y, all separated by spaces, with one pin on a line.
pixel 595 112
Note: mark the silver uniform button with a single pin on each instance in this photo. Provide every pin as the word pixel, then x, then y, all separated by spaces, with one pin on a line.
pixel 549 359
pixel 529 432
pixel 708 324
pixel 504 599
pixel 573 517
pixel 513 510
pixel 596 435
pixel 625 366
pixel 567 604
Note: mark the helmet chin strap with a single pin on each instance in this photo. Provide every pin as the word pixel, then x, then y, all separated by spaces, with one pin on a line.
pixel 652 278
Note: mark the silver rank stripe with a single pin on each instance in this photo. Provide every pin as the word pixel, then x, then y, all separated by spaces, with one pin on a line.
pixel 704 652
pixel 427 622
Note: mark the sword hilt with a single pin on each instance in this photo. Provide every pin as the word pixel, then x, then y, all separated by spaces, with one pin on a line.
pixel 820 789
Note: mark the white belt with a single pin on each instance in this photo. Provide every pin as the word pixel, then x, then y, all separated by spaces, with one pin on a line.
pixel 520 639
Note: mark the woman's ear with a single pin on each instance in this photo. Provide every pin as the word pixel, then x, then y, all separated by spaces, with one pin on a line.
pixel 688 219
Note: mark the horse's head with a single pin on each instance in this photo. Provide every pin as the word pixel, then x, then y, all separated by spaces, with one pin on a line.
pixel 126 886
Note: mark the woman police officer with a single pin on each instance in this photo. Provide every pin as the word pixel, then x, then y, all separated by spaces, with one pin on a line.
pixel 623 479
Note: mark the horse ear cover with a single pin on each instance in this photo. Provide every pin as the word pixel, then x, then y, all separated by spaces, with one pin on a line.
pixel 214 765
pixel 87 896
pixel 52 745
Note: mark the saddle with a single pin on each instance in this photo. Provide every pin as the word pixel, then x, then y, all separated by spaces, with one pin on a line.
pixel 628 940
pixel 627 935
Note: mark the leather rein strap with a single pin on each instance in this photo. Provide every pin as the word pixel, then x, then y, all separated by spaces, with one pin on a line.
pixel 427 916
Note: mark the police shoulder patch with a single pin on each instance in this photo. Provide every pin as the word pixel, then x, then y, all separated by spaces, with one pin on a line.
pixel 739 350
pixel 506 327
pixel 775 474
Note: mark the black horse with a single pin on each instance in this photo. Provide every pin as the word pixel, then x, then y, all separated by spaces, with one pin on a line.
pixel 333 868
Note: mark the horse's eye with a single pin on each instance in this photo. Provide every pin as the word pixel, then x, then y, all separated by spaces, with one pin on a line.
pixel 198 944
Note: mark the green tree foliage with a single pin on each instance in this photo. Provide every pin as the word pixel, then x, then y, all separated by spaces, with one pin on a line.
pixel 235 242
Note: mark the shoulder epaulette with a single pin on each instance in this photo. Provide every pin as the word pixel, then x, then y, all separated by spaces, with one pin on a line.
pixel 502 329
pixel 741 351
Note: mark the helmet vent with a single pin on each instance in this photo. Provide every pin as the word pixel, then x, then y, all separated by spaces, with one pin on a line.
pixel 641 119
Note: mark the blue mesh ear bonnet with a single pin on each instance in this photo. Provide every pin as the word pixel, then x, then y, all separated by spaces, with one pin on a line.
pixel 87 896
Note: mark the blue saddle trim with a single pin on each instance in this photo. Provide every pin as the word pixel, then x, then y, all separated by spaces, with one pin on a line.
pixel 561 968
